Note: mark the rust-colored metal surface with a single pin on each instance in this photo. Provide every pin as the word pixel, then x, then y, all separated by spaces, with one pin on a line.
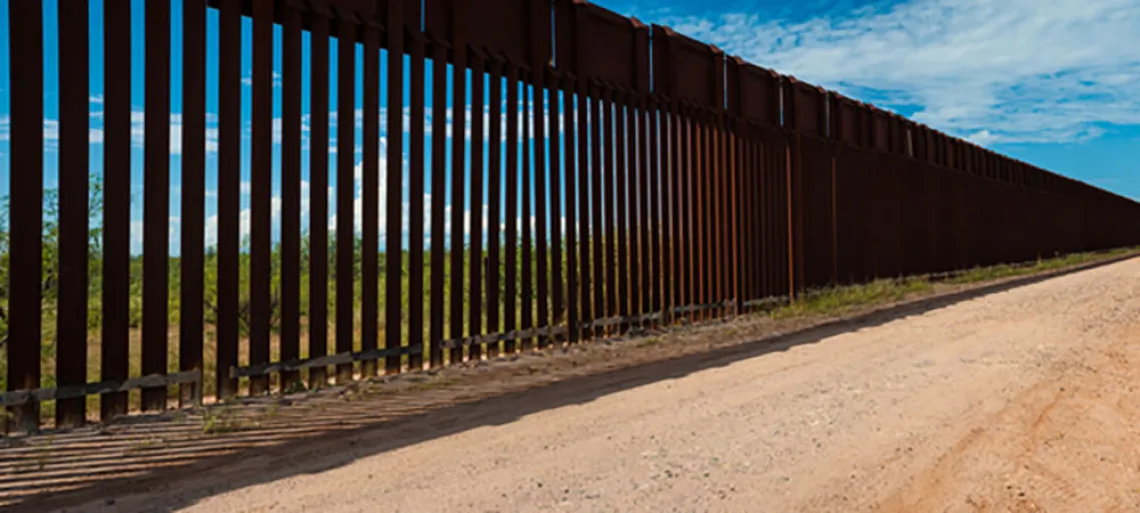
pixel 584 172
pixel 671 171
pixel 744 217
pixel 393 216
pixel 519 30
pixel 438 186
pixel 699 208
pixel 511 217
pixel 193 218
pixel 596 171
pixel 806 108
pixel 370 193
pixel 229 183
pixel 656 269
pixel 817 197
pixel 318 200
pixel 459 29
pixel 261 185
pixel 417 174
pixel 621 206
pixel 607 187
pixel 494 197
pixel 639 244
pixel 643 285
pixel 71 336
pixel 692 230
pixel 475 261
pixel 541 265
pixel 653 178
pixel 687 230
pixel 573 197
pixel 558 222
pixel 114 346
pixel 527 263
pixel 290 189
pixel 156 202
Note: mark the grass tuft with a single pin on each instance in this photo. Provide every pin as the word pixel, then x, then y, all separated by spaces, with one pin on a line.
pixel 221 420
pixel 837 300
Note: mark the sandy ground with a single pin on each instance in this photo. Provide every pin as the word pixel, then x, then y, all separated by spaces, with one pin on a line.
pixel 1021 400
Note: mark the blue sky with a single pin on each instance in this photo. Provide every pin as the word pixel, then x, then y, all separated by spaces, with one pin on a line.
pixel 51 86
pixel 1054 83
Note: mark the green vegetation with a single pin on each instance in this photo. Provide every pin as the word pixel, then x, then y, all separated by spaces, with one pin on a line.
pixel 979 274
pixel 49 296
pixel 825 302
pixel 218 420
pixel 836 300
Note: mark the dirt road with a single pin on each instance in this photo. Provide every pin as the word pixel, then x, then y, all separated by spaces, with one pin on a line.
pixel 1023 400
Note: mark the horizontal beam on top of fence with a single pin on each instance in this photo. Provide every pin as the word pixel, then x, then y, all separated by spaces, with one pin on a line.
pixel 152 381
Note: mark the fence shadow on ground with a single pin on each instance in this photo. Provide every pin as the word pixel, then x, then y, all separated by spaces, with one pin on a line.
pixel 170 457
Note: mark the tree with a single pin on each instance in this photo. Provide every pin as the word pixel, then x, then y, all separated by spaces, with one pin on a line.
pixel 50 258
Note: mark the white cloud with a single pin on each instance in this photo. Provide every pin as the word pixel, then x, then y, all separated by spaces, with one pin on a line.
pixel 245 215
pixel 138 131
pixel 992 70
pixel 138 127
pixel 51 130
pixel 358 201
pixel 248 80
pixel 174 232
pixel 982 137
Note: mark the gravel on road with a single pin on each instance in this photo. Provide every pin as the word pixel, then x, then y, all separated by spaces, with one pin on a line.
pixel 1022 400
